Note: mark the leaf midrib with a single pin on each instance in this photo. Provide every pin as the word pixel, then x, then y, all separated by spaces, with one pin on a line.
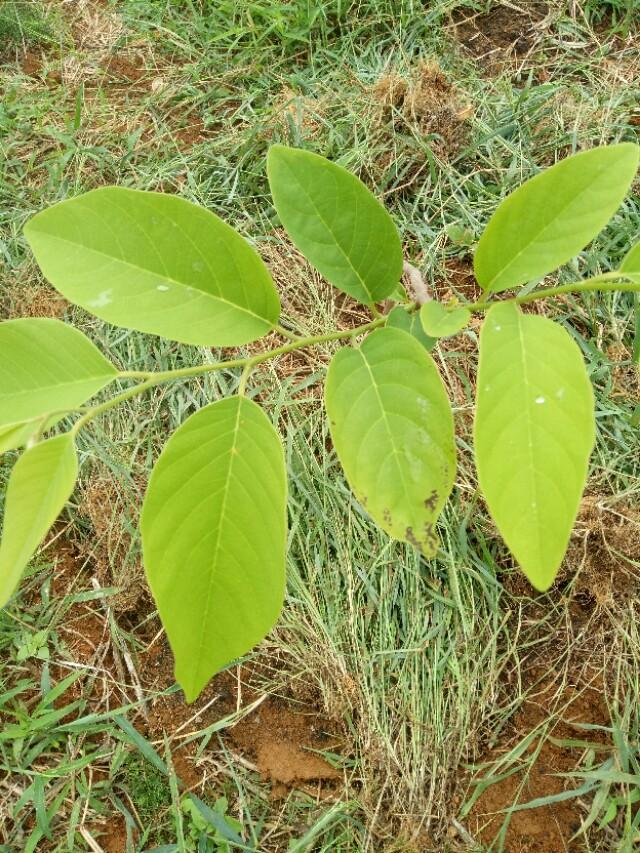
pixel 529 430
pixel 328 227
pixel 214 558
pixel 146 271
pixel 385 419
pixel 545 227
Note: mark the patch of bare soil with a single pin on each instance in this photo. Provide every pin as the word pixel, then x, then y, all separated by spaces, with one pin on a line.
pixel 113 835
pixel 625 374
pixel 459 280
pixel 503 31
pixel 565 676
pixel 427 102
pixel 280 738
pixel 549 828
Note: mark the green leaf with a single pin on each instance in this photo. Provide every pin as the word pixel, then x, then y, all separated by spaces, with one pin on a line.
pixel 155 263
pixel 534 432
pixel 553 216
pixel 392 428
pixel 40 484
pixel 213 535
pixel 631 264
pixel 336 222
pixel 438 321
pixel 400 318
pixel 45 366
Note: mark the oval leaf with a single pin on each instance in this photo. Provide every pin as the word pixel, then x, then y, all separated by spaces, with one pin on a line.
pixel 45 366
pixel 213 535
pixel 155 263
pixel 553 216
pixel 400 318
pixel 392 428
pixel 41 483
pixel 438 321
pixel 336 222
pixel 534 432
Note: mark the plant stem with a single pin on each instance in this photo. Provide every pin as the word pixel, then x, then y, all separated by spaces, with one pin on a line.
pixel 606 281
pixel 110 404
pixel 151 379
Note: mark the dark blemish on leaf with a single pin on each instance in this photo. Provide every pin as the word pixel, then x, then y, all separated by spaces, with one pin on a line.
pixel 386 516
pixel 411 537
pixel 431 536
pixel 432 501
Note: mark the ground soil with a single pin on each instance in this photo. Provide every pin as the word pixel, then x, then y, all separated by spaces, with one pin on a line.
pixel 502 31
pixel 565 676
pixel 549 828
pixel 280 738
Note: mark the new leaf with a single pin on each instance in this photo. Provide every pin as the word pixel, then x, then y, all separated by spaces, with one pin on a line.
pixel 534 432
pixel 155 263
pixel 213 535
pixel 392 428
pixel 336 222
pixel 552 217
pixel 400 318
pixel 438 321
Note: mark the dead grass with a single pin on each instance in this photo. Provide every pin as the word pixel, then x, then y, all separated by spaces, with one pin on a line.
pixel 426 102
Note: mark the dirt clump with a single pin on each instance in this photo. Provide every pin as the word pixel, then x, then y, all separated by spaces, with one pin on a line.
pixel 280 738
pixel 31 63
pixel 501 31
pixel 427 102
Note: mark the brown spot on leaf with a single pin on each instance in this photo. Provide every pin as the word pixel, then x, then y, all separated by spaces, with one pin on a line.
pixel 432 501
pixel 411 537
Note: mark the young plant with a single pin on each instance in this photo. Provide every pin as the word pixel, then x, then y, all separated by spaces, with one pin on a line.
pixel 214 517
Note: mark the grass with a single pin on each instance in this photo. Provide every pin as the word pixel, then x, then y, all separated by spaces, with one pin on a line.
pixel 23 22
pixel 422 668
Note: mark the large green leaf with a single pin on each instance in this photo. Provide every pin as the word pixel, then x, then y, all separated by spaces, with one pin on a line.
pixel 336 222
pixel 534 431
pixel 213 535
pixel 392 428
pixel 155 263
pixel 45 366
pixel 553 216
pixel 40 484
